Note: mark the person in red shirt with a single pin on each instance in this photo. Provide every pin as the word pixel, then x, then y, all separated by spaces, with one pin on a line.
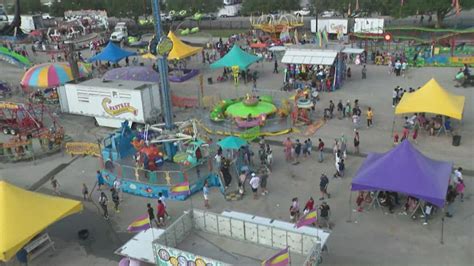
pixel 160 213
pixel 309 205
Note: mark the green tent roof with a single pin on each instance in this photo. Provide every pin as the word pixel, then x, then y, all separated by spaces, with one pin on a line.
pixel 236 57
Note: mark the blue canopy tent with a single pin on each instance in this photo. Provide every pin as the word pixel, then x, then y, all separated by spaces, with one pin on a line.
pixel 405 170
pixel 112 53
pixel 236 57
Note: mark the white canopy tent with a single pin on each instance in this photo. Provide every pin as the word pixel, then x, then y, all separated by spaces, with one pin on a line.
pixel 309 56
pixel 353 50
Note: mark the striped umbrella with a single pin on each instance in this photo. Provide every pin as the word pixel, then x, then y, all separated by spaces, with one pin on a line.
pixel 51 75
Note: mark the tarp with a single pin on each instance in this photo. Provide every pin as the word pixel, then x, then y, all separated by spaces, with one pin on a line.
pixel 309 56
pixel 180 49
pixel 236 57
pixel 432 98
pixel 405 170
pixel 111 53
pixel 25 214
pixel 136 73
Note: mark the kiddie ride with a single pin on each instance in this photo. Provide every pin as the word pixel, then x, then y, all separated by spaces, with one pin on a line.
pixel 153 159
pixel 27 123
pixel 249 111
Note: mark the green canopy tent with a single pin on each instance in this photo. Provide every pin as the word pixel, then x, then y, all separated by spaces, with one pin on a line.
pixel 232 143
pixel 236 57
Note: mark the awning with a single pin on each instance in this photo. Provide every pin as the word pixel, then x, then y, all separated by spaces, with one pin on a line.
pixel 352 50
pixel 139 247
pixel 309 56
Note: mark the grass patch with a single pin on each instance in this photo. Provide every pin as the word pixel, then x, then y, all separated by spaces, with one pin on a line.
pixel 224 33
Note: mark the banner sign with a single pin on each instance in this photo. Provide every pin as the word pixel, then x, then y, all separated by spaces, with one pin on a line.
pixel 118 109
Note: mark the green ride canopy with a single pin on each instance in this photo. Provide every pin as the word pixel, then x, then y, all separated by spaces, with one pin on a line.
pixel 241 110
pixel 236 57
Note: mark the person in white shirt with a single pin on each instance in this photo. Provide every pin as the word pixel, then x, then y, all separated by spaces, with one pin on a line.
pixel 118 187
pixel 254 184
pixel 457 178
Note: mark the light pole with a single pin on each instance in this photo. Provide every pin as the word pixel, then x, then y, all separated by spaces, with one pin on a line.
pixel 163 69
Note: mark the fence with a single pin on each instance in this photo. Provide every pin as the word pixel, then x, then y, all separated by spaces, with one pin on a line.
pixel 247 228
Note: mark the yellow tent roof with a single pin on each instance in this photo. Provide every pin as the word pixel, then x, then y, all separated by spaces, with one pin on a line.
pixel 148 56
pixel 24 214
pixel 432 98
pixel 180 49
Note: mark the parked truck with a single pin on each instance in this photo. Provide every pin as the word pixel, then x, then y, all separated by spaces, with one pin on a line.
pixel 112 102
pixel 120 32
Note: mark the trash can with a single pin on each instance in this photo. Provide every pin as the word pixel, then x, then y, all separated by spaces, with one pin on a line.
pixel 456 140
pixel 209 80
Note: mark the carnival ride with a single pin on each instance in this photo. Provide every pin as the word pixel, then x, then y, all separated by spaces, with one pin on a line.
pixel 422 46
pixel 28 122
pixel 277 26
pixel 148 166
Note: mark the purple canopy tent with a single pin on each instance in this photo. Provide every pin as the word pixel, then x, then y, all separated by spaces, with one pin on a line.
pixel 405 170
pixel 136 73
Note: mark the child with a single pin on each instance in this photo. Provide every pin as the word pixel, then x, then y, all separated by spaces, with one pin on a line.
pixel 395 139
pixel 460 189
pixel 55 185
pixel 85 191
pixel 205 192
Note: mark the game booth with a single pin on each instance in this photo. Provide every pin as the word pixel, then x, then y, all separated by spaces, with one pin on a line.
pixel 311 66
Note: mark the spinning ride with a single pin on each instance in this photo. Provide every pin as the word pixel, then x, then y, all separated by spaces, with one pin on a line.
pixel 276 26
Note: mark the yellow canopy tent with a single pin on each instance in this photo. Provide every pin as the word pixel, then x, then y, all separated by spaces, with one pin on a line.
pixel 180 49
pixel 149 56
pixel 432 98
pixel 25 214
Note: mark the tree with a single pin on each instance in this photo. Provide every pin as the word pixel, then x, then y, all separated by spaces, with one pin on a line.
pixel 440 8
pixel 267 6
pixel 194 6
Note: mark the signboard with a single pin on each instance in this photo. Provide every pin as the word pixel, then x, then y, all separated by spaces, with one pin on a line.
pixel 174 257
pixel 9 105
pixel 333 26
pixel 369 25
pixel 118 109
pixel 462 59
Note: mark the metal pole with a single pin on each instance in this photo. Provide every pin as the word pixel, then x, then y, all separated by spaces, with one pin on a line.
pixel 349 220
pixel 442 230
pixel 163 70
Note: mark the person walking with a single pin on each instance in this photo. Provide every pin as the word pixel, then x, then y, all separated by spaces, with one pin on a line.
pixel 275 67
pixel 450 198
pixel 364 72
pixel 370 116
pixel 151 215
pixel 288 146
pixel 309 206
pixel 115 199
pixel 225 172
pixel 323 186
pixel 117 185
pixel 163 199
pixel 297 151
pixel 395 96
pixel 264 173
pixel 100 180
pixel 205 193
pixel 242 178
pixel 356 141
pixel 55 185
pixel 160 213
pixel 340 109
pixel 254 184
pixel 294 210
pixel 324 213
pixel 103 201
pixel 85 191
pixel 427 210
pixel 321 150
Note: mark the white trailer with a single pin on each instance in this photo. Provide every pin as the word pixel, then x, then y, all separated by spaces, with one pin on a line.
pixel 112 102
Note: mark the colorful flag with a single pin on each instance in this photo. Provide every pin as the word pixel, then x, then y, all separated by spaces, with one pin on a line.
pixel 319 39
pixel 140 224
pixel 282 258
pixel 325 36
pixel 180 189
pixel 308 218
